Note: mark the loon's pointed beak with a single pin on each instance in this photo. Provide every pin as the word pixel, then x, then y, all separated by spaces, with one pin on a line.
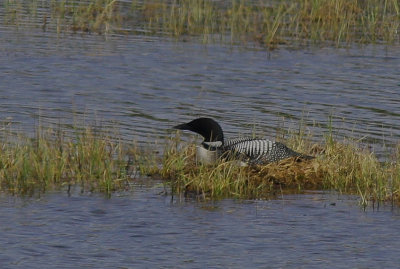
pixel 183 126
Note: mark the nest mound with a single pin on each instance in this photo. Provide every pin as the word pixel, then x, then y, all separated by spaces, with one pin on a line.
pixel 289 173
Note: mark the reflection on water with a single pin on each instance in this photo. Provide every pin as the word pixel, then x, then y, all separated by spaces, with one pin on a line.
pixel 147 230
pixel 146 85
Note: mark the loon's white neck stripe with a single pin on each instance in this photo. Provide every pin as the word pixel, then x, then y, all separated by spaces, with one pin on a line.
pixel 215 144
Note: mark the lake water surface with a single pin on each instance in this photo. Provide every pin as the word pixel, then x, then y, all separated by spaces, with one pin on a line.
pixel 146 229
pixel 146 85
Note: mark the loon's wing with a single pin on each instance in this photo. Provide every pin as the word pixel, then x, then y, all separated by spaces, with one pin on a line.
pixel 259 151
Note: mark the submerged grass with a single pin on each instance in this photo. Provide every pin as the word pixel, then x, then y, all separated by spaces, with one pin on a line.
pixel 267 23
pixel 99 162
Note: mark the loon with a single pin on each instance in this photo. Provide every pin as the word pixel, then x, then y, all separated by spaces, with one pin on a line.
pixel 253 151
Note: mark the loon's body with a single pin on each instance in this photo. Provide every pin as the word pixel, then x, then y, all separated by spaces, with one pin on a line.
pixel 250 150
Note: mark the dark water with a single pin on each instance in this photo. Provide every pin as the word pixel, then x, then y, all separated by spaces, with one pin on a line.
pixel 145 229
pixel 145 85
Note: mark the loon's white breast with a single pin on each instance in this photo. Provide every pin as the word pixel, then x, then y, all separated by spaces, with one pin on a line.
pixel 206 156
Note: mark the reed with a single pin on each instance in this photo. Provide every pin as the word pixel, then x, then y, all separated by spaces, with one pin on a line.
pixel 266 23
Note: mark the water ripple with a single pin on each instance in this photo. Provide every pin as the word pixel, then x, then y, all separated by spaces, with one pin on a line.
pixel 147 85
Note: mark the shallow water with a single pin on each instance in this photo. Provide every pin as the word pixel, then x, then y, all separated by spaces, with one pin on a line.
pixel 146 229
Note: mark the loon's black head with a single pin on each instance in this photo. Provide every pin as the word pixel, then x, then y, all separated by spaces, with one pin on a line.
pixel 206 127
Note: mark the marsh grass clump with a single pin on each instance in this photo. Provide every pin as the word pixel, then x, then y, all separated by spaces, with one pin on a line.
pixel 97 16
pixel 51 160
pixel 352 169
pixel 238 21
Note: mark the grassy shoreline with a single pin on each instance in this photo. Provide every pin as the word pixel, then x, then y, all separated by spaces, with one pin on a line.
pixel 100 162
pixel 267 24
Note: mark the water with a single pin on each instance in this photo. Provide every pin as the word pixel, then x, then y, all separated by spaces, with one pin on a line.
pixel 145 85
pixel 146 229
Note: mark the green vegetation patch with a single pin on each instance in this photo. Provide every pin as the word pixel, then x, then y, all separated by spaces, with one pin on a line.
pixel 52 160
pixel 267 23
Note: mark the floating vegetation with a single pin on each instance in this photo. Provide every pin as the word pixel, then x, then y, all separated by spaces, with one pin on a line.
pixel 266 23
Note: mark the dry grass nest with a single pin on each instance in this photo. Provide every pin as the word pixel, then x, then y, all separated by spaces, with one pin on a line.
pixel 289 173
